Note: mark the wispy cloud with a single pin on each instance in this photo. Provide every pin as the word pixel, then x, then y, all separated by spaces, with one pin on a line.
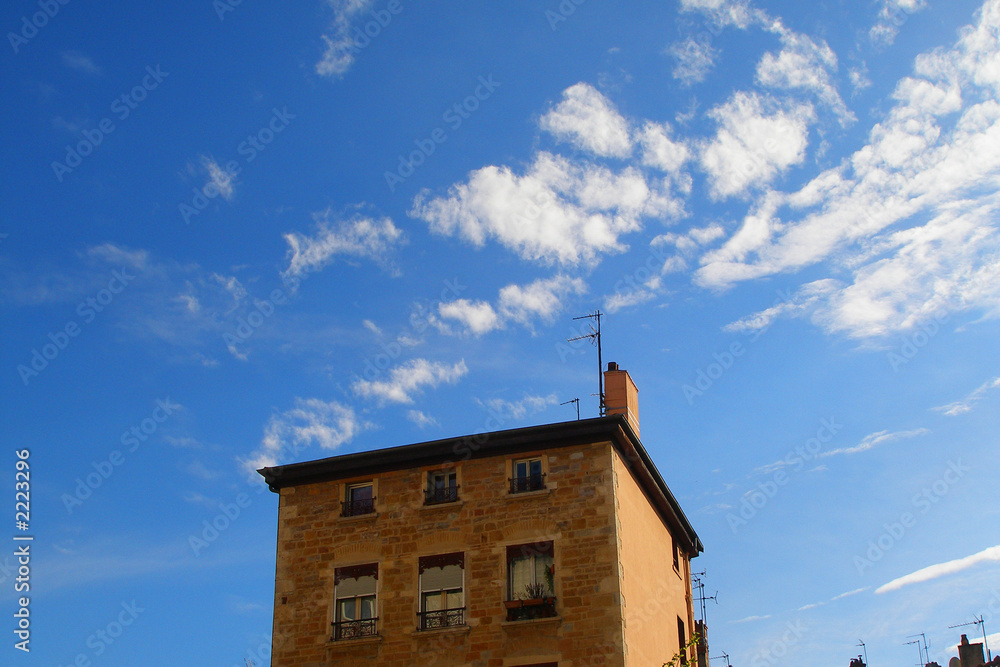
pixel 327 424
pixel 693 60
pixel 966 404
pixel 341 47
pixel 751 619
pixel 873 440
pixel 991 555
pixel 408 379
pixel 421 419
pixel 218 178
pixel 890 17
pixel 357 237
pixel 525 407
pixel 81 62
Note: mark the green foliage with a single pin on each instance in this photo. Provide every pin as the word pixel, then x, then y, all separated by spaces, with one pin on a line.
pixel 680 655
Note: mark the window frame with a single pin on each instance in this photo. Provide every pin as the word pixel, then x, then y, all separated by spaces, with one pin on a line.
pixel 446 616
pixel 519 606
pixel 529 481
pixel 361 507
pixel 355 628
pixel 448 493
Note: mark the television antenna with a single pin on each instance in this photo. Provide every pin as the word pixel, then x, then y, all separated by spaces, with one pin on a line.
pixel 925 656
pixel 577 401
pixel 699 586
pixel 724 655
pixel 864 648
pixel 595 337
pixel 978 621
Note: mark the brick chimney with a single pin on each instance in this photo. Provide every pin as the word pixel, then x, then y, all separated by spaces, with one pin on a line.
pixel 621 396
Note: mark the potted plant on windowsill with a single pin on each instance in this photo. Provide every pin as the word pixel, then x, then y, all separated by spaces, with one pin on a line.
pixel 534 594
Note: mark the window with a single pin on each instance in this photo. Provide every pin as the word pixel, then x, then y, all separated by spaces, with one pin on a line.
pixel 359 499
pixel 442 599
pixel 682 641
pixel 530 581
pixel 442 487
pixel 677 564
pixel 354 607
pixel 527 475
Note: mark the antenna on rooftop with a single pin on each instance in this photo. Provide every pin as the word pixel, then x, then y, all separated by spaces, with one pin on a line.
pixel 978 621
pixel 595 336
pixel 699 586
pixel 925 656
pixel 577 401
pixel 724 655
pixel 864 648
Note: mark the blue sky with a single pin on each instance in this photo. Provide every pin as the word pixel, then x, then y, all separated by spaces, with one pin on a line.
pixel 236 234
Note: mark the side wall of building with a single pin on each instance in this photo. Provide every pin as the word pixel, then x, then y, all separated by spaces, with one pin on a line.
pixel 654 593
pixel 576 512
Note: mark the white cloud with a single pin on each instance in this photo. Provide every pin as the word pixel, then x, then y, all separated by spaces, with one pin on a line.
pixel 311 422
pixel 372 327
pixel 359 237
pixel 523 304
pixel 911 217
pixel 738 13
pixel 81 62
pixel 556 212
pixel 219 180
pixel 420 419
pixel 756 141
pixel 341 47
pixel 588 120
pixel 694 60
pixel 477 316
pixel 525 407
pixel 660 151
pixel 873 440
pixel 991 555
pixel 408 379
pixel 804 64
pixel 967 403
pixel 541 299
pixel 891 16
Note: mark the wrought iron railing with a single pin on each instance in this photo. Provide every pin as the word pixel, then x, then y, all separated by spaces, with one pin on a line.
pixel 520 610
pixel 442 618
pixel 435 496
pixel 534 482
pixel 366 627
pixel 358 507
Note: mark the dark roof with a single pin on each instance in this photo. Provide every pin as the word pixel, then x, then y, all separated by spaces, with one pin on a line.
pixel 614 428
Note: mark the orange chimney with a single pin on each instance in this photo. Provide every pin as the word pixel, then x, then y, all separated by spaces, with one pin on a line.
pixel 621 396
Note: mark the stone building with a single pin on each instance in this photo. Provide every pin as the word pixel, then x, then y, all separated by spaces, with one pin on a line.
pixel 545 546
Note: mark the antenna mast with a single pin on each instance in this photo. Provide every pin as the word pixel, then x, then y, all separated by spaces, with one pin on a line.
pixel 595 336
pixel 978 621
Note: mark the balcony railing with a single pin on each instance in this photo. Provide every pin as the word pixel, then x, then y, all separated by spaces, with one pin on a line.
pixel 367 627
pixel 442 618
pixel 521 610
pixel 435 496
pixel 357 507
pixel 534 482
